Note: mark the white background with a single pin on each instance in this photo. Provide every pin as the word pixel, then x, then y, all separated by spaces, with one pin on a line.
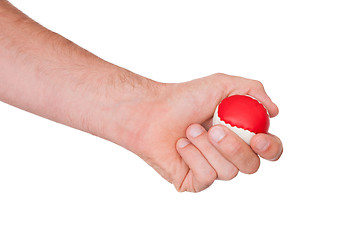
pixel 60 183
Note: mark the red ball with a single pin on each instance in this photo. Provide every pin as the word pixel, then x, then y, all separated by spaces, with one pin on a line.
pixel 242 112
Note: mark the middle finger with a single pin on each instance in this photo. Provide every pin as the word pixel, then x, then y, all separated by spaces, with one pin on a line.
pixel 233 148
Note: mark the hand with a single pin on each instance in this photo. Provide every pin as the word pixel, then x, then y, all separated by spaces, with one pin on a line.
pixel 172 132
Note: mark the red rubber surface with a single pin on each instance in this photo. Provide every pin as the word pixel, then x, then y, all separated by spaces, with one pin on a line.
pixel 244 112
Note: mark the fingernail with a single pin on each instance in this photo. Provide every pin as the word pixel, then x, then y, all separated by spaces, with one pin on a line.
pixel 195 131
pixel 217 133
pixel 262 144
pixel 183 143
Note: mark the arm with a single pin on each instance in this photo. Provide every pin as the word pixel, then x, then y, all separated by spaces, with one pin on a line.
pixel 167 125
pixel 46 74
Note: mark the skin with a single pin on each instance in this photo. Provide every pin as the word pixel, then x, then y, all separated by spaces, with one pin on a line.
pixel 167 125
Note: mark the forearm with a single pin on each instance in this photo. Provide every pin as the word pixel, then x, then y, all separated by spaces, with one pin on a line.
pixel 44 73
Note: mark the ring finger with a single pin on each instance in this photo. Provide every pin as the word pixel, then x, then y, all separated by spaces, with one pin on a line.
pixel 199 137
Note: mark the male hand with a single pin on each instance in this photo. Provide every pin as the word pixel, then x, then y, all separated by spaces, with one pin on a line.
pixel 174 133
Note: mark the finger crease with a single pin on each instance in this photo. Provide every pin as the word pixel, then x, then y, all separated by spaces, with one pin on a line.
pixel 181 185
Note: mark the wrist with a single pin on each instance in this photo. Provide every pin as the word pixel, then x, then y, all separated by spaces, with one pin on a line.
pixel 123 100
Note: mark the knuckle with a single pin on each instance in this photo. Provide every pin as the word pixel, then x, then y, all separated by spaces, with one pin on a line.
pixel 205 178
pixel 219 75
pixel 239 78
pixel 197 189
pixel 205 181
pixel 253 166
pixel 206 148
pixel 257 84
pixel 229 175
pixel 210 176
pixel 235 148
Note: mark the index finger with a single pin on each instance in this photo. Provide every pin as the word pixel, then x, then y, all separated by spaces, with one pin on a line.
pixel 257 90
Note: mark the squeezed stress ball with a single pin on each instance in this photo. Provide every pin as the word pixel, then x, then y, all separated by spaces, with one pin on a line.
pixel 242 114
